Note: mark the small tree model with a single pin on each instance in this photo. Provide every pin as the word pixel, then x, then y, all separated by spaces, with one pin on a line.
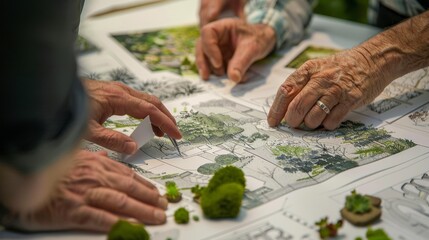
pixel 357 203
pixel 223 195
pixel 361 210
pixel 327 229
pixel 181 216
pixel 172 192
pixel 123 230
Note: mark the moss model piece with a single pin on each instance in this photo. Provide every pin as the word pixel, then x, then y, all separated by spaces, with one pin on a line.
pixel 197 191
pixel 327 229
pixel 361 210
pixel 181 216
pixel 223 195
pixel 196 218
pixel 172 193
pixel 377 234
pixel 123 230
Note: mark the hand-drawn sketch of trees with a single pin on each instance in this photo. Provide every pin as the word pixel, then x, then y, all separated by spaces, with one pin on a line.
pixel 198 127
pixel 121 75
pixel 421 117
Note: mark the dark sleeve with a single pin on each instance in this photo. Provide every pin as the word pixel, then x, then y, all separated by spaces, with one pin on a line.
pixel 42 102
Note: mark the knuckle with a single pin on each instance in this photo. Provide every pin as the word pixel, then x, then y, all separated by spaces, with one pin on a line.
pixel 110 139
pixel 81 218
pixel 330 125
pixel 130 185
pixel 155 101
pixel 93 196
pixel 151 109
pixel 311 121
pixel 121 200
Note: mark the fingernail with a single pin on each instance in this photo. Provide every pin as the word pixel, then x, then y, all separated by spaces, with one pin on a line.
pixel 130 147
pixel 272 122
pixel 277 109
pixel 162 203
pixel 236 75
pixel 215 63
pixel 159 215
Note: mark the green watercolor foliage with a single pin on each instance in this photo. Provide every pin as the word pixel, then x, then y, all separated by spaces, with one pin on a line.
pixel 290 150
pixel 123 230
pixel 255 136
pixel 226 159
pixel 200 128
pixel 209 168
pixel 311 52
pixel 171 49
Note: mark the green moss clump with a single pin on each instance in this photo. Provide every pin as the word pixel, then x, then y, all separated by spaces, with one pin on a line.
pixel 223 195
pixel 228 174
pixel 357 203
pixel 123 230
pixel 181 216
pixel 223 202
pixel 377 234
pixel 196 218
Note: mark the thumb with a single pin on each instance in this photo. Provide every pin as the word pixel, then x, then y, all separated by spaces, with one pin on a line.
pixel 214 9
pixel 238 8
pixel 244 56
pixel 111 139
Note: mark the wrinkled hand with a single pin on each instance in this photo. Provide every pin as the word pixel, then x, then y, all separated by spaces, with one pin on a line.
pixel 112 98
pixel 210 10
pixel 93 195
pixel 232 45
pixel 343 82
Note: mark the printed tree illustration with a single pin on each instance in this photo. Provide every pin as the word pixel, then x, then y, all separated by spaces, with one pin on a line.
pixel 270 174
pixel 371 141
pixel 198 127
pixel 92 76
pixel 420 118
pixel 121 75
pixel 209 168
pixel 226 159
pixel 303 159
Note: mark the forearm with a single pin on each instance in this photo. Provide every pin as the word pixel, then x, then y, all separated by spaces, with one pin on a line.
pixel 399 50
pixel 288 18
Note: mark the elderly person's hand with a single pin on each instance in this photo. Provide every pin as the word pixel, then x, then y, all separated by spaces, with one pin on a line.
pixel 93 195
pixel 112 98
pixel 211 9
pixel 232 45
pixel 322 91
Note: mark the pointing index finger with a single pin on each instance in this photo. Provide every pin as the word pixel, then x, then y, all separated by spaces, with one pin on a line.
pixel 278 108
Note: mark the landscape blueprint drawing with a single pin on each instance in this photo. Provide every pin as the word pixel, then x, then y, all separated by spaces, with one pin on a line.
pixel 414 125
pixel 218 131
pixel 225 124
pixel 400 97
